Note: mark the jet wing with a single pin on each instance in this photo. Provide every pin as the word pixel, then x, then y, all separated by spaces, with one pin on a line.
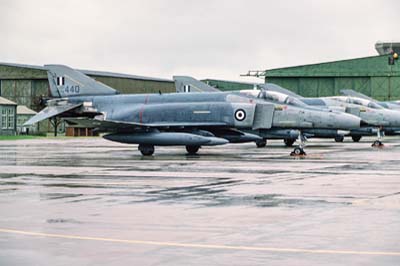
pixel 49 112
pixel 112 125
pixel 356 94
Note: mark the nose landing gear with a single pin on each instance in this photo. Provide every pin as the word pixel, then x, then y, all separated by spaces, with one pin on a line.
pixel 299 150
pixel 378 143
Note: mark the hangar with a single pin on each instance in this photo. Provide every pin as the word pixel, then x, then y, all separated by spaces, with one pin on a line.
pixel 376 76
pixel 26 84
pixel 372 76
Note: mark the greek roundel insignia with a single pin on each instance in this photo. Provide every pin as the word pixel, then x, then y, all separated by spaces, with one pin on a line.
pixel 60 81
pixel 240 115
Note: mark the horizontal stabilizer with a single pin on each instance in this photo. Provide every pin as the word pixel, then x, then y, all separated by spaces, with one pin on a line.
pixel 50 112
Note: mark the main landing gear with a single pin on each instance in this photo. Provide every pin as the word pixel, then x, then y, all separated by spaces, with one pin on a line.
pixel 356 138
pixel 289 142
pixel 192 150
pixel 299 150
pixel 261 143
pixel 146 149
pixel 339 138
pixel 378 143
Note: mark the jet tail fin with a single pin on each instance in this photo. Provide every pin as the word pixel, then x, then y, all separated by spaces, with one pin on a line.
pixel 189 84
pixel 274 87
pixel 356 94
pixel 66 82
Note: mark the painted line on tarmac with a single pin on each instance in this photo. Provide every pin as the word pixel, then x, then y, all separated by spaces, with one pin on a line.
pixel 202 246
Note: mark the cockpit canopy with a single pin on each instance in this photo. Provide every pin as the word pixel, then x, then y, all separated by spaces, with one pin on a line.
pixel 281 98
pixel 274 97
pixel 357 101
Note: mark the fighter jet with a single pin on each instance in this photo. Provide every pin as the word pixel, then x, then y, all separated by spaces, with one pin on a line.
pixel 386 121
pixel 291 118
pixel 326 130
pixel 380 119
pixel 191 120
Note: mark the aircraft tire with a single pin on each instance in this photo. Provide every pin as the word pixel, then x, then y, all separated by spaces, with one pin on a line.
pixel 146 149
pixel 339 138
pixel 261 143
pixel 298 151
pixel 377 143
pixel 289 142
pixel 356 138
pixel 192 150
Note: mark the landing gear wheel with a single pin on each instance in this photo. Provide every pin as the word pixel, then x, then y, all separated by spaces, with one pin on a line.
pixel 261 143
pixel 356 138
pixel 298 151
pixel 339 138
pixel 192 150
pixel 146 149
pixel 377 143
pixel 289 142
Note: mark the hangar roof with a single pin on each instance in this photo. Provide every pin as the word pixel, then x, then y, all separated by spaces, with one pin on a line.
pixel 365 66
pixel 23 110
pixel 90 72
pixel 4 101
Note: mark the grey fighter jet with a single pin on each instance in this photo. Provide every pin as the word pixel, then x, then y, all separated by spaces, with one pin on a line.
pixel 290 117
pixel 385 121
pixel 380 119
pixel 191 120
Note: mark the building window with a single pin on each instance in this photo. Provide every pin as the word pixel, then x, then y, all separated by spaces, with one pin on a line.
pixel 4 118
pixel 11 118
pixel 7 118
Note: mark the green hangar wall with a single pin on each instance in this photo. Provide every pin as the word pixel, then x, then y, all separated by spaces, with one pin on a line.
pixel 373 76
pixel 225 85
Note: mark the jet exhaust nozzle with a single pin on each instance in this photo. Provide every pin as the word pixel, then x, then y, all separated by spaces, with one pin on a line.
pixel 364 124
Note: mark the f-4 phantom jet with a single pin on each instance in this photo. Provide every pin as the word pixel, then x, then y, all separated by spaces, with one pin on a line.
pixel 191 120
pixel 290 119
pixel 379 119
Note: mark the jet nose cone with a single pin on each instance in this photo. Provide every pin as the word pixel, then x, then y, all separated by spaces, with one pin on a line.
pixel 364 124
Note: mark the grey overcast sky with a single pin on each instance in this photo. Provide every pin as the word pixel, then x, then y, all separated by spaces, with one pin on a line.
pixel 205 39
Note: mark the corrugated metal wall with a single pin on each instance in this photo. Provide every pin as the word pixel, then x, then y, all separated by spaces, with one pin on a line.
pixel 124 85
pixel 372 76
pixel 380 88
